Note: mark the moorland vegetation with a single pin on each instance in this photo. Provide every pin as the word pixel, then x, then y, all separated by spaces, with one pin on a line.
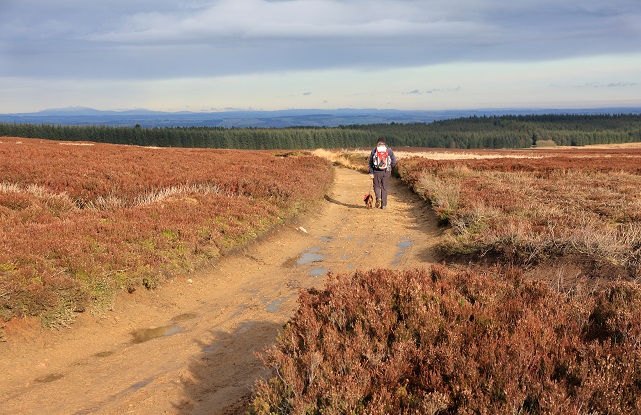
pixel 497 330
pixel 530 210
pixel 442 342
pixel 82 222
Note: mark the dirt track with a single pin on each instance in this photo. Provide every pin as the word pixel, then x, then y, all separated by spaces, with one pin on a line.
pixel 189 347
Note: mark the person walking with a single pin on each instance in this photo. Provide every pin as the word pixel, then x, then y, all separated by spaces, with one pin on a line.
pixel 381 161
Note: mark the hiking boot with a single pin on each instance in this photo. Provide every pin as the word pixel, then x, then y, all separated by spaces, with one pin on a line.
pixel 383 207
pixel 378 203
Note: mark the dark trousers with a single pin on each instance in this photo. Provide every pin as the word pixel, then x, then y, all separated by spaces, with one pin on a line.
pixel 381 184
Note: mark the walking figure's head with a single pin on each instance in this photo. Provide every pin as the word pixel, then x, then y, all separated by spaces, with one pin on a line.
pixel 380 142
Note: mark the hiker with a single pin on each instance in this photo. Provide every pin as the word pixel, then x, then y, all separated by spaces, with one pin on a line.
pixel 381 161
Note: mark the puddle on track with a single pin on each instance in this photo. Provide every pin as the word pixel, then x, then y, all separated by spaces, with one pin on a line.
pixel 310 257
pixel 402 245
pixel 274 305
pixel 246 326
pixel 305 258
pixel 140 385
pixel 184 317
pixel 104 354
pixel 212 348
pixel 318 271
pixel 143 335
pixel 50 378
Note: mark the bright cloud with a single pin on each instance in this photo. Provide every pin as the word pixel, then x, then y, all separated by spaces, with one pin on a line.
pixel 325 53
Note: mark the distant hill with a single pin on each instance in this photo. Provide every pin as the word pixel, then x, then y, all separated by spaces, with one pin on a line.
pixel 272 119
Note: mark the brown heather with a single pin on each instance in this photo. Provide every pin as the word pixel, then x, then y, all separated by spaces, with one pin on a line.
pixel 524 211
pixel 79 222
pixel 439 342
pixel 489 340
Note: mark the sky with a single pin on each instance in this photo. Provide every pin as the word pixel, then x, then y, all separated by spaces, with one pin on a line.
pixel 218 55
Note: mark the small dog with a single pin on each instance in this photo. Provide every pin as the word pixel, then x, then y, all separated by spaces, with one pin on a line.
pixel 368 200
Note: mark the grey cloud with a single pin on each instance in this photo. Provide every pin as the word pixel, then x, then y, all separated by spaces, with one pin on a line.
pixel 191 38
pixel 308 20
pixel 595 85
pixel 622 84
pixel 433 90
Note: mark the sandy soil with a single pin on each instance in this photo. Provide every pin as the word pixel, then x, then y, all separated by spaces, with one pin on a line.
pixel 190 347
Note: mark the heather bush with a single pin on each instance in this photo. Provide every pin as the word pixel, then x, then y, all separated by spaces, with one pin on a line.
pixel 79 223
pixel 529 210
pixel 440 342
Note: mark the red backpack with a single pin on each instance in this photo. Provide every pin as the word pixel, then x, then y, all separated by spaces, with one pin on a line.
pixel 381 159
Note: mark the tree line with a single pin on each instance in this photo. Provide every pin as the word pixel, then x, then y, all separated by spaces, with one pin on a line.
pixel 507 131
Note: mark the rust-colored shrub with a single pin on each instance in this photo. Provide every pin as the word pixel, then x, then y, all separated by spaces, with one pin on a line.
pixel 439 342
pixel 527 210
pixel 100 217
